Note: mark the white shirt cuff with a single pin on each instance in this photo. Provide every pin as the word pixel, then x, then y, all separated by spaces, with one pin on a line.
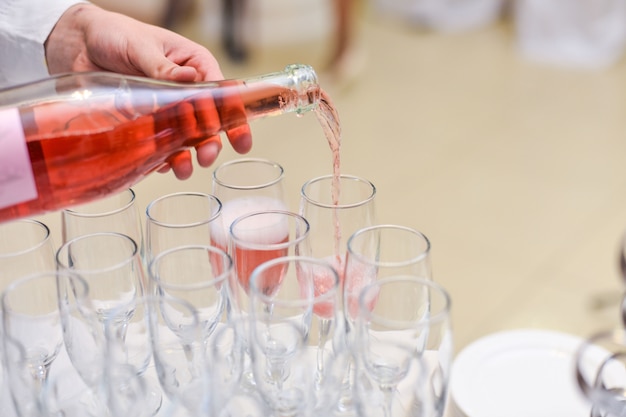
pixel 24 27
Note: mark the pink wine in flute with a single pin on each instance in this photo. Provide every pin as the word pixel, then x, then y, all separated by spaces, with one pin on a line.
pixel 233 209
pixel 77 137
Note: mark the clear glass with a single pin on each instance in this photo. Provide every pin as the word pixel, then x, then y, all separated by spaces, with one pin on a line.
pixel 332 223
pixel 575 33
pixel 176 338
pixel 402 317
pixel 198 274
pixel 601 372
pixel 117 213
pixel 232 392
pixel 18 397
pixel 31 313
pixel 111 265
pixel 379 251
pixel 180 219
pixel 304 292
pixel 26 247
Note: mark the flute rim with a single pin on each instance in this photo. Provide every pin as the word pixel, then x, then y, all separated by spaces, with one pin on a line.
pixel 316 203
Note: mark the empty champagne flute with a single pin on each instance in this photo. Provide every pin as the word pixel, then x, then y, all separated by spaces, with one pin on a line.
pixel 111 264
pixel 228 361
pixel 117 213
pixel 601 372
pixel 401 318
pixel 180 219
pixel 379 251
pixel 375 252
pixel 31 313
pixel 26 247
pixel 198 274
pixel 176 338
pixel 307 296
pixel 244 186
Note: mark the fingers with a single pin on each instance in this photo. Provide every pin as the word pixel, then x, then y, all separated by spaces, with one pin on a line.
pixel 181 165
pixel 208 151
pixel 240 138
pixel 232 113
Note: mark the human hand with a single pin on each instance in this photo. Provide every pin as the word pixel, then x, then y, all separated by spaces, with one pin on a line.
pixel 89 38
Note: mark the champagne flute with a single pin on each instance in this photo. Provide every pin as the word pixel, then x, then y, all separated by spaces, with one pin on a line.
pixel 244 186
pixel 180 219
pixel 307 296
pixel 259 237
pixel 336 207
pixel 176 338
pixel 379 251
pixel 31 318
pixel 600 363
pixel 198 274
pixel 116 213
pixel 229 359
pixel 111 265
pixel 26 247
pixel 376 252
pixel 402 317
pixel 333 218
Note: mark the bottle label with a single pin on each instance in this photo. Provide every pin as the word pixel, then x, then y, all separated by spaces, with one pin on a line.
pixel 17 182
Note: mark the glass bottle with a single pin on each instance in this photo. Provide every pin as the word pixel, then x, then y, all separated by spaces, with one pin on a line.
pixel 76 137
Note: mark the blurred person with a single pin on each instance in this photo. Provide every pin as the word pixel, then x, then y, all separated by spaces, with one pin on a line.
pixel 39 38
pixel 347 57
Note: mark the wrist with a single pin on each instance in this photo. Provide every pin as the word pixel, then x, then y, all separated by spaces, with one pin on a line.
pixel 66 40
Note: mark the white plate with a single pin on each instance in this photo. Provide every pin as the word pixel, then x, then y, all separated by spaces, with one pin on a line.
pixel 520 373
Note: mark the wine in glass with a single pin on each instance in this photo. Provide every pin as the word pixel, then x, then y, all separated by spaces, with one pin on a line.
pixel 334 218
pixel 336 207
pixel 259 237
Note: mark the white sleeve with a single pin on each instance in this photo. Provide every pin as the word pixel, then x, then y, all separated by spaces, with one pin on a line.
pixel 24 27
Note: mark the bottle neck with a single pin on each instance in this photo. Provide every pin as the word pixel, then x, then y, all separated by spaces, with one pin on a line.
pixel 300 82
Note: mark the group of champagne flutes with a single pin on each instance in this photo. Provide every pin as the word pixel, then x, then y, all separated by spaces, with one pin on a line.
pixel 224 304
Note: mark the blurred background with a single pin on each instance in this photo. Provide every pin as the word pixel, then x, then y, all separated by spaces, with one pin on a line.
pixel 496 128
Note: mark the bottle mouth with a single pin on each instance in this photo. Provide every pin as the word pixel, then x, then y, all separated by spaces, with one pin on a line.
pixel 306 84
